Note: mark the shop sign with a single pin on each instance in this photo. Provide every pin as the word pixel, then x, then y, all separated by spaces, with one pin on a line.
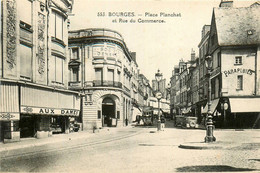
pixel 238 70
pixel 9 116
pixel 100 51
pixel 215 72
pixel 49 111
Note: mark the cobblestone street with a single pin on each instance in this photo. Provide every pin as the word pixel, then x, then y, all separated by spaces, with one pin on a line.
pixel 145 151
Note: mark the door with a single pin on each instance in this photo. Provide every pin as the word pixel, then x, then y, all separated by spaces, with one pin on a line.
pixel 108 111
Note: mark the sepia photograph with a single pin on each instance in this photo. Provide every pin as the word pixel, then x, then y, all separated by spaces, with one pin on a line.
pixel 123 86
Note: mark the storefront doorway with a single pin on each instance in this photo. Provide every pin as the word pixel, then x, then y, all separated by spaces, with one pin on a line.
pixel 27 126
pixel 108 111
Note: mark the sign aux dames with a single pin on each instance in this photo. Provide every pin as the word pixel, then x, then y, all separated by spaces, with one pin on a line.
pixel 49 111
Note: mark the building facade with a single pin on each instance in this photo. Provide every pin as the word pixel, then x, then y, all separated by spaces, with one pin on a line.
pixel 105 72
pixel 235 75
pixel 203 82
pixel 35 100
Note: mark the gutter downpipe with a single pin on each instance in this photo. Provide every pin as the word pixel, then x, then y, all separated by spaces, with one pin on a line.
pixel 48 16
pixel 256 72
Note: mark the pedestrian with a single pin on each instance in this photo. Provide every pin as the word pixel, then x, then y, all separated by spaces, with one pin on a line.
pixel 162 123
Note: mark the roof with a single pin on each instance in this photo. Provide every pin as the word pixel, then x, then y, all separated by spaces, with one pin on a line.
pixel 234 24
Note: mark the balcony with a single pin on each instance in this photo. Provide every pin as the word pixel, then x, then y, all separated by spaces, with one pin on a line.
pixel 100 83
pixel 75 84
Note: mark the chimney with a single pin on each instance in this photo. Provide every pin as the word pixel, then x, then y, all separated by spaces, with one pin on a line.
pixel 226 3
pixel 192 55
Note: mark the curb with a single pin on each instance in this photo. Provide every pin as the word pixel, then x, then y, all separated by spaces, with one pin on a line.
pixel 200 147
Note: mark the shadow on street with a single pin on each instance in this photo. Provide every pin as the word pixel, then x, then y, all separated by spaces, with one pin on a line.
pixel 212 168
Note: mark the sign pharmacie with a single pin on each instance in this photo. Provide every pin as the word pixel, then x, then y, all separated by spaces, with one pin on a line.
pixel 49 111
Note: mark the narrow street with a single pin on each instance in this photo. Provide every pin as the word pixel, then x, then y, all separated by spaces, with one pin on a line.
pixel 144 151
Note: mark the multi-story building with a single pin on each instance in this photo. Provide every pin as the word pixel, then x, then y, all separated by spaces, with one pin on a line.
pixel 105 72
pixel 235 80
pixel 134 88
pixel 144 93
pixel 35 99
pixel 203 82
pixel 193 86
pixel 175 89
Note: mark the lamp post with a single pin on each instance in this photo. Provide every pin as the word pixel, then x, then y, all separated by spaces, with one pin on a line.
pixel 209 133
pixel 158 77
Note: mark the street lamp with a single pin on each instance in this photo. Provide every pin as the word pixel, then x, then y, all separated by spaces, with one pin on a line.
pixel 158 77
pixel 209 133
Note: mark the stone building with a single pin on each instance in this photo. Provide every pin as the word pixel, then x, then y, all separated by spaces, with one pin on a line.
pixel 175 89
pixel 35 100
pixel 203 82
pixel 105 72
pixel 234 46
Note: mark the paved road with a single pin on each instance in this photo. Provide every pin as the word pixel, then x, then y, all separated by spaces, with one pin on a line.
pixel 145 151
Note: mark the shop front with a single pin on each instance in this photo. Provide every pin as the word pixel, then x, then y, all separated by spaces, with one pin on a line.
pixel 45 111
pixel 9 113
pixel 235 112
pixel 243 112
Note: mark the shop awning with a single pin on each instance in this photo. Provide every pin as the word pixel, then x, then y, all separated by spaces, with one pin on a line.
pixel 166 111
pixel 186 110
pixel 214 104
pixel 147 109
pixel 136 111
pixel 244 104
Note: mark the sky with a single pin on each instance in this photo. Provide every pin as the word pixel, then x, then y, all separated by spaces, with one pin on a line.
pixel 157 45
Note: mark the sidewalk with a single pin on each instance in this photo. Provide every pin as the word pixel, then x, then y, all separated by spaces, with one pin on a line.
pixel 29 146
pixel 243 139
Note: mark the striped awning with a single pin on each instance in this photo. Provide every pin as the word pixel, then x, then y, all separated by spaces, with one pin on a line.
pixel 214 104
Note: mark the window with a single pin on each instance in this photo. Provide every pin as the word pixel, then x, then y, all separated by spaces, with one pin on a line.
pixel 75 53
pixel 240 82
pixel 99 114
pixel 25 13
pixel 75 74
pixel 58 69
pixel 118 114
pixel 26 61
pixel 238 60
pixel 57 28
pixel 219 59
pixel 99 75
pixel 118 76
pixel 110 75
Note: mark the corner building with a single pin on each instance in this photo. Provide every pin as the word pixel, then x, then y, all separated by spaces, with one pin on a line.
pixel 33 69
pixel 102 69
pixel 235 79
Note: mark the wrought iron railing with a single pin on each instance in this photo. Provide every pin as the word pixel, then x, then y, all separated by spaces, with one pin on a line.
pixel 102 83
